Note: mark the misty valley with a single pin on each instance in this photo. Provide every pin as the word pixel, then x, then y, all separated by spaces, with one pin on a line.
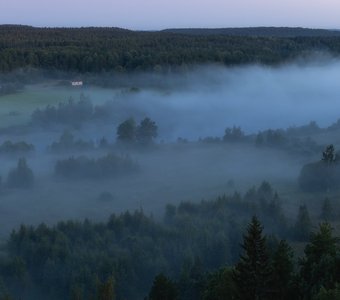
pixel 153 185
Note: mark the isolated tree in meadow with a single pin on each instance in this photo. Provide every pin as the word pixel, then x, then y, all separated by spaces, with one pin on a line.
pixel 252 274
pixel 328 155
pixel 126 131
pixel 146 131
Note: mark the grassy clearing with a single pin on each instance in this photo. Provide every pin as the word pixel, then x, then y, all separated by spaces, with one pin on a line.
pixel 15 109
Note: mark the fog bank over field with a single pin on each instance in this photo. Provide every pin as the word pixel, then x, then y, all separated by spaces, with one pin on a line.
pixel 196 104
pixel 205 101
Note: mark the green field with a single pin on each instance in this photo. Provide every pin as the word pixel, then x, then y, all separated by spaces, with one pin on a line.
pixel 15 109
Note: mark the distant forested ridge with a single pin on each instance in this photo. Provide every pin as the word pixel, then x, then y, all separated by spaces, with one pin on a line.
pixel 113 49
pixel 257 31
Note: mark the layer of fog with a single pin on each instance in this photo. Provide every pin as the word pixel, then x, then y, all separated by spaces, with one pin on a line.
pixel 253 97
pixel 198 104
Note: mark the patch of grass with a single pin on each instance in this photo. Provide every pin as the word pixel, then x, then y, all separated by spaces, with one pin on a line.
pixel 16 109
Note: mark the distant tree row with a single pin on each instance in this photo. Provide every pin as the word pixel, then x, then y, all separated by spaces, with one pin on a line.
pixel 102 167
pixel 69 113
pixel 9 147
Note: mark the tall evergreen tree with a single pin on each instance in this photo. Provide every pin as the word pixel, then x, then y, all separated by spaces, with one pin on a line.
pixel 282 266
pixel 105 290
pixel 220 286
pixel 252 273
pixel 303 225
pixel 163 289
pixel 321 265
pixel 326 210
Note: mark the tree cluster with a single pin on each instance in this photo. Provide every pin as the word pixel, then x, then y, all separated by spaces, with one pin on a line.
pixel 69 113
pixel 9 147
pixel 322 175
pixel 143 134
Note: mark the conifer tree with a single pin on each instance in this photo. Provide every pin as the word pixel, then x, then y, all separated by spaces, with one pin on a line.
pixel 321 265
pixel 163 289
pixel 252 273
pixel 303 225
pixel 282 266
pixel 326 211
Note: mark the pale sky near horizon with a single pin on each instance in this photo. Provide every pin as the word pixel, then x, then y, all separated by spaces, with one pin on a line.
pixel 161 14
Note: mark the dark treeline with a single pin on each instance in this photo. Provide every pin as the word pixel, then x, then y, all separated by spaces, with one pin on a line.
pixel 197 245
pixel 102 167
pixel 111 49
pixel 257 31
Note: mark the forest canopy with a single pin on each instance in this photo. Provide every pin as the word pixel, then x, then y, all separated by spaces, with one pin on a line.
pixel 113 49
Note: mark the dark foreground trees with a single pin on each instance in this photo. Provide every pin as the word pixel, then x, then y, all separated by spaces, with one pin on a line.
pixel 320 268
pixel 122 257
pixel 163 289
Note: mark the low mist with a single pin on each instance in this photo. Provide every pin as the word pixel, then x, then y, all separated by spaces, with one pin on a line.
pixel 192 106
pixel 253 97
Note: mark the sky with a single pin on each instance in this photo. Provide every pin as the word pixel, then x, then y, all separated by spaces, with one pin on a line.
pixel 161 14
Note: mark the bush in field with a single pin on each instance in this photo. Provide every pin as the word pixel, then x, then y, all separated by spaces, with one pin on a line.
pixel 103 167
pixel 20 177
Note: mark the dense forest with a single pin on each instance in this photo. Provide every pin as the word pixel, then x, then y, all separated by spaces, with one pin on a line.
pixel 132 255
pixel 113 49
pixel 208 249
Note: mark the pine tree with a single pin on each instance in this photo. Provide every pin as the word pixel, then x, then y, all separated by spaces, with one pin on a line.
pixel 321 265
pixel 303 225
pixel 163 289
pixel 282 266
pixel 252 273
pixel 105 290
pixel 326 211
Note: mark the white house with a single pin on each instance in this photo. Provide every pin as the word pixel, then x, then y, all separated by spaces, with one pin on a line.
pixel 77 83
